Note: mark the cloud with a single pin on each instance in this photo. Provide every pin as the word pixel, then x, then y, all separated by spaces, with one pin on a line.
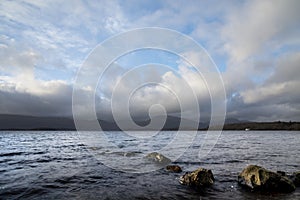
pixel 258 26
pixel 256 30
pixel 253 33
pixel 286 69
pixel 15 60
pixel 44 99
pixel 137 90
pixel 256 43
pixel 61 33
pixel 276 97
pixel 281 86
pixel 261 39
pixel 281 92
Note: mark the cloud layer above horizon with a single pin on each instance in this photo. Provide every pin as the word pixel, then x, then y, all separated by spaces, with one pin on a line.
pixel 254 43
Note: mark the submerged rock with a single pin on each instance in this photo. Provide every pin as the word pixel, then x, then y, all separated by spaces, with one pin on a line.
pixel 296 178
pixel 174 168
pixel 198 179
pixel 259 178
pixel 157 157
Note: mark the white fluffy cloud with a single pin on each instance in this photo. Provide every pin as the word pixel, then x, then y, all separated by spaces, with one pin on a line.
pixel 258 26
pixel 149 85
pixel 260 40
pixel 281 86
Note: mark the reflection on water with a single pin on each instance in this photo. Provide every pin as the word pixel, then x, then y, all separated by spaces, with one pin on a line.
pixel 38 165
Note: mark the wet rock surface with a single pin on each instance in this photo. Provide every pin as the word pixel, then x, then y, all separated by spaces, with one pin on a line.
pixel 296 178
pixel 260 179
pixel 198 179
pixel 174 168
pixel 158 158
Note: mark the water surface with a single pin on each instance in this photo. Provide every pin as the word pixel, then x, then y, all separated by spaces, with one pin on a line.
pixel 60 165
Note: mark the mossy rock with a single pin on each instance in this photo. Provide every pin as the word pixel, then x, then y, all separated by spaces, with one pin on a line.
pixel 259 178
pixel 174 168
pixel 158 158
pixel 198 179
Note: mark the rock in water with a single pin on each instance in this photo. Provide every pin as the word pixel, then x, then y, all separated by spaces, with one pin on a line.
pixel 296 178
pixel 198 179
pixel 159 158
pixel 259 178
pixel 174 168
pixel 282 173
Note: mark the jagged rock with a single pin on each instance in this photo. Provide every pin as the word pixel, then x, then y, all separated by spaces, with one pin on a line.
pixel 296 178
pixel 198 179
pixel 159 158
pixel 174 168
pixel 259 178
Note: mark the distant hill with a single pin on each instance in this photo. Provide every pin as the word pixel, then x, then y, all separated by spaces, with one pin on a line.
pixel 20 122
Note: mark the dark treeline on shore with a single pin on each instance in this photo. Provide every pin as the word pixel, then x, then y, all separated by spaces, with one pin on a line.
pixel 278 125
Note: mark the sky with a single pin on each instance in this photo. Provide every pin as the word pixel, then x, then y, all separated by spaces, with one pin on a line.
pixel 255 45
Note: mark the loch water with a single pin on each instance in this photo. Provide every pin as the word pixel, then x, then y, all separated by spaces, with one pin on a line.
pixel 63 165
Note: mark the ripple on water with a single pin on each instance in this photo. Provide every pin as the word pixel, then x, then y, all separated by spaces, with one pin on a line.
pixel 57 165
pixel 11 154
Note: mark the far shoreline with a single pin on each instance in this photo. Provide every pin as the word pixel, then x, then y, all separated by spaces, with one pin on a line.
pixel 247 126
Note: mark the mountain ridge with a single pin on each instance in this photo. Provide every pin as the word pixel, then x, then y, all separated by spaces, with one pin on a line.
pixel 25 122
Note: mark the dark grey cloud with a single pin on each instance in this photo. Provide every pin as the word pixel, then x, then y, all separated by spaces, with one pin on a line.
pixel 56 103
